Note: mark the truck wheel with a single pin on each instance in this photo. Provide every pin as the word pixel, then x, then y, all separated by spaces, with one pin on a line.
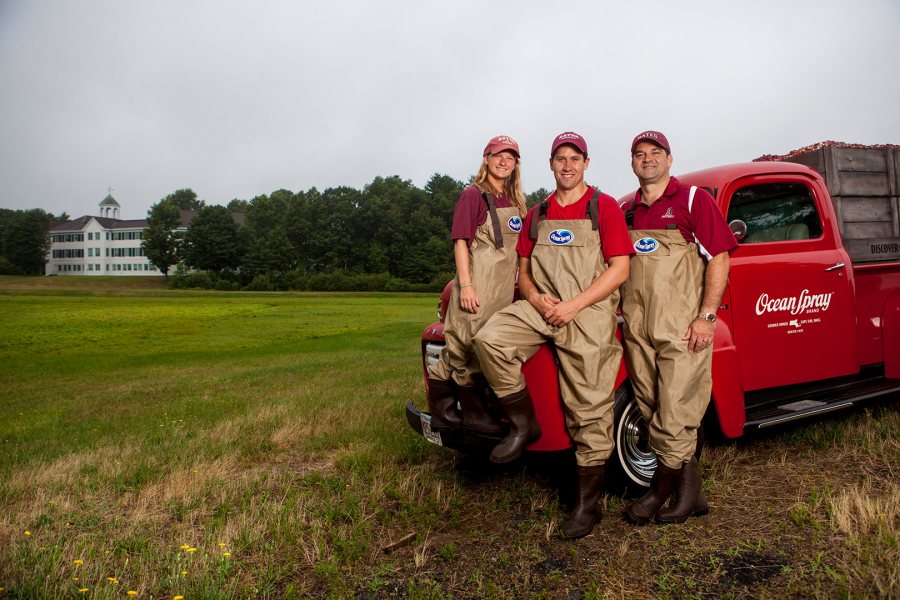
pixel 635 461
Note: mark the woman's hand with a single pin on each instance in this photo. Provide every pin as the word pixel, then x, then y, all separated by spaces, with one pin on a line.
pixel 468 298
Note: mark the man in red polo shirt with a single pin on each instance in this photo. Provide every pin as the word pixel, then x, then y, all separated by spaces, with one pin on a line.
pixel 573 256
pixel 669 304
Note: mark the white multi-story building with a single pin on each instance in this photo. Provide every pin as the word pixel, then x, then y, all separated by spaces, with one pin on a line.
pixel 104 245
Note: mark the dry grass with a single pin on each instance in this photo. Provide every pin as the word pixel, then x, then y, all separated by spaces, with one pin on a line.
pixel 862 510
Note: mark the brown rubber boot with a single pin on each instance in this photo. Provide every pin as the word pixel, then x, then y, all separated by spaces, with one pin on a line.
pixel 442 405
pixel 474 416
pixel 587 511
pixel 643 510
pixel 523 427
pixel 689 499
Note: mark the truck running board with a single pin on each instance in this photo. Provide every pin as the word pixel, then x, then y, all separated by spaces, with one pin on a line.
pixel 773 407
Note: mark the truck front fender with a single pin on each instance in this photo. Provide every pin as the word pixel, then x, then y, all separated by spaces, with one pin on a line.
pixel 890 335
pixel 727 386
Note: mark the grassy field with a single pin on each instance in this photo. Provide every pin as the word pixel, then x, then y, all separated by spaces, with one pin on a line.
pixel 157 444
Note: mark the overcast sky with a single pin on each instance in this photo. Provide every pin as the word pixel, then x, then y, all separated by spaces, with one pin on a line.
pixel 237 99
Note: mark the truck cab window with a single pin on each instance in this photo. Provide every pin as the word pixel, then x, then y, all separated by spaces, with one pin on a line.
pixel 775 212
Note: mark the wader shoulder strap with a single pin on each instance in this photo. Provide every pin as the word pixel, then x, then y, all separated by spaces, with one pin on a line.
pixel 593 210
pixel 540 216
pixel 492 208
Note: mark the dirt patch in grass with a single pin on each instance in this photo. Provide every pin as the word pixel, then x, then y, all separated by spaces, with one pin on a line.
pixel 82 284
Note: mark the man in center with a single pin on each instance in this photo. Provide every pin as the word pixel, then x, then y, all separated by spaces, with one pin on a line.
pixel 574 253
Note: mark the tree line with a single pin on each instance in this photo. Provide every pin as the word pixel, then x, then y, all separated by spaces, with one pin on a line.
pixel 391 235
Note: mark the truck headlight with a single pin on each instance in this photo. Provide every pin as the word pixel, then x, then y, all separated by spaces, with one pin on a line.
pixel 433 352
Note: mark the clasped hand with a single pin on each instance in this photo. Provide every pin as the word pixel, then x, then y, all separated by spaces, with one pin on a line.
pixel 555 312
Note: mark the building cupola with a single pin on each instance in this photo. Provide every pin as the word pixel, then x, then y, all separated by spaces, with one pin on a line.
pixel 109 207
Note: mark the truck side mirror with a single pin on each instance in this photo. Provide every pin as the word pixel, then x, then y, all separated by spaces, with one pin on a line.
pixel 739 229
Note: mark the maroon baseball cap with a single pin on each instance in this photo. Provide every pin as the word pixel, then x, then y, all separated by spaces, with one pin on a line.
pixel 572 138
pixel 654 137
pixel 501 143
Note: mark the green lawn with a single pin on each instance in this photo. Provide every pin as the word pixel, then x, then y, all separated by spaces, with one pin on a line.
pixel 131 425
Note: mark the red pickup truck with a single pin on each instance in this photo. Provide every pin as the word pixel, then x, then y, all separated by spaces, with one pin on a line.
pixel 809 323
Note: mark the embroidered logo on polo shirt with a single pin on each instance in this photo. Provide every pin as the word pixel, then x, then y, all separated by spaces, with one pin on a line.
pixel 646 245
pixel 561 237
pixel 669 214
pixel 515 224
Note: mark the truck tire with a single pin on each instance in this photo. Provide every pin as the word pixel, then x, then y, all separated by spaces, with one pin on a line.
pixel 633 461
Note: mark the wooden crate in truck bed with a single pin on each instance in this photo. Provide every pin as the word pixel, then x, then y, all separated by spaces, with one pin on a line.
pixel 864 184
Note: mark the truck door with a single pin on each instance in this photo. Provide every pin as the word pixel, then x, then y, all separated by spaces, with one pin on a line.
pixel 791 285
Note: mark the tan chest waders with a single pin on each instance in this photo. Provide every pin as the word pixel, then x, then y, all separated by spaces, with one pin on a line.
pixel 492 265
pixel 659 301
pixel 566 259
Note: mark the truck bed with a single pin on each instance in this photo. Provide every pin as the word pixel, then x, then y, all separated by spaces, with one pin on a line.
pixel 864 184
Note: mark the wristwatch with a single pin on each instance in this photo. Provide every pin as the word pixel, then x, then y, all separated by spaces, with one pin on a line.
pixel 708 317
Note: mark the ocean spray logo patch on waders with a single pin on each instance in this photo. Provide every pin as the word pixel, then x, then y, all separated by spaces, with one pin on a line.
pixel 515 224
pixel 646 245
pixel 561 237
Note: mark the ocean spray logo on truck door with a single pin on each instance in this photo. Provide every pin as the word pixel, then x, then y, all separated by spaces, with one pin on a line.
pixel 646 245
pixel 561 237
pixel 515 224
pixel 793 304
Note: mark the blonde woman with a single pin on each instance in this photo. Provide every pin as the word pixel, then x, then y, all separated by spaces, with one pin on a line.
pixel 486 225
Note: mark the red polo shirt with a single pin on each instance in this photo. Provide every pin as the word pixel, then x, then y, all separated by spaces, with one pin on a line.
pixel 614 237
pixel 471 212
pixel 704 221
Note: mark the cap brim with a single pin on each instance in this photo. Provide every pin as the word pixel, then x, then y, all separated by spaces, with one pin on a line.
pixel 499 149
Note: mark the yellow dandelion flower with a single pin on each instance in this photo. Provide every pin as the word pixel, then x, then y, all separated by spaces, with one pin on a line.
pixel 221 544
pixel 191 550
pixel 112 580
pixel 184 572
pixel 132 593
pixel 78 561
pixel 178 598
pixel 83 590
pixel 27 532
pixel 184 546
pixel 76 579
pixel 226 554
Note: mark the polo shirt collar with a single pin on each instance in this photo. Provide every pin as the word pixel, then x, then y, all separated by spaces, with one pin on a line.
pixel 670 190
